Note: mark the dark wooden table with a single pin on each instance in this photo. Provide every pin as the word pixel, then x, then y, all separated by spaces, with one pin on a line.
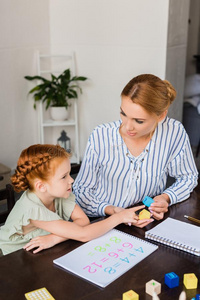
pixel 22 271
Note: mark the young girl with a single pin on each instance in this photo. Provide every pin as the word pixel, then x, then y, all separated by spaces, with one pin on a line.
pixel 40 217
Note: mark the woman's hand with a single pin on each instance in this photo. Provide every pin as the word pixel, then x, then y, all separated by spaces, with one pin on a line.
pixel 143 223
pixel 43 242
pixel 159 206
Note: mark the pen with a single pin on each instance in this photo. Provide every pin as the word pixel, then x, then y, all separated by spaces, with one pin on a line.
pixel 192 219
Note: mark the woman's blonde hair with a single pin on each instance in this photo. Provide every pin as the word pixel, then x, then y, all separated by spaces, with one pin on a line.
pixel 152 93
pixel 37 161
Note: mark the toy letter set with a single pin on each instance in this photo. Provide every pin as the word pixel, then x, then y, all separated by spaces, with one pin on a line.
pixel 106 258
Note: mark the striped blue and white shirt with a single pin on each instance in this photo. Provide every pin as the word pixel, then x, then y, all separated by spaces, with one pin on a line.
pixel 111 175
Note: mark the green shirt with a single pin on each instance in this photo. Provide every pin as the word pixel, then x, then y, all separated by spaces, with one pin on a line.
pixel 29 206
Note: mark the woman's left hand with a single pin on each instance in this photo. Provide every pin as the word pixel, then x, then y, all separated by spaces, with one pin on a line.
pixel 159 206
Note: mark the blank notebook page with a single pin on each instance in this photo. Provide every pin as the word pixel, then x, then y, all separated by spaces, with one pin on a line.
pixel 177 234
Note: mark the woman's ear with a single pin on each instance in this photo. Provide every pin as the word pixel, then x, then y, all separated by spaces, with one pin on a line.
pixel 40 186
pixel 163 115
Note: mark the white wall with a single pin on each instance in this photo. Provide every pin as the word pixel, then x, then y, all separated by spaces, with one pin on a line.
pixel 24 28
pixel 114 40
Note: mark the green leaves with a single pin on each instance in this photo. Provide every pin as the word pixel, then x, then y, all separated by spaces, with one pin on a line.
pixel 57 91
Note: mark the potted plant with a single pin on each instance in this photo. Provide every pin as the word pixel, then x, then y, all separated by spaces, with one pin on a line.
pixel 55 93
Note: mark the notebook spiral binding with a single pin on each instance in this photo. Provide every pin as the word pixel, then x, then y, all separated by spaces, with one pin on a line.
pixel 171 243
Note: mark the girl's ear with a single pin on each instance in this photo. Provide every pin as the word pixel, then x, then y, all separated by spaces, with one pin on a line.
pixel 40 186
pixel 163 115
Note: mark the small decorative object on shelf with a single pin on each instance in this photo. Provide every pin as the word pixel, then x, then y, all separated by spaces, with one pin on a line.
pixel 64 141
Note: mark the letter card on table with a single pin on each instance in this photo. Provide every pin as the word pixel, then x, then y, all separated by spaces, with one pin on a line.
pixel 104 259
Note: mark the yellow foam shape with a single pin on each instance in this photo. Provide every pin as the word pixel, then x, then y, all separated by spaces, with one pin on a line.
pixel 190 281
pixel 130 295
pixel 144 214
pixel 39 294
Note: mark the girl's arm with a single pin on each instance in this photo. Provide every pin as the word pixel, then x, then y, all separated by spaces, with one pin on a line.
pixel 111 209
pixel 50 240
pixel 79 217
pixel 43 242
pixel 74 231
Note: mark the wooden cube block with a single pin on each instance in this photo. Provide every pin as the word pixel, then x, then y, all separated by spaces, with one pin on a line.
pixel 171 280
pixel 153 286
pixel 130 295
pixel 190 281
pixel 144 214
pixel 197 297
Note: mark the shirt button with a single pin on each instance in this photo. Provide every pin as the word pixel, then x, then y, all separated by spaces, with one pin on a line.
pixel 126 154
pixel 131 161
pixel 147 150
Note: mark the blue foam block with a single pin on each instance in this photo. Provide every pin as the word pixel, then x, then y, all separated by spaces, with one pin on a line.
pixel 171 280
pixel 147 201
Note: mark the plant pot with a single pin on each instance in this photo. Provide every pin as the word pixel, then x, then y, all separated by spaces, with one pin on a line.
pixel 59 113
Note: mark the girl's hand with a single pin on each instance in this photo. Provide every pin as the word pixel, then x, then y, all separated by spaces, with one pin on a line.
pixel 160 206
pixel 129 216
pixel 43 242
pixel 136 222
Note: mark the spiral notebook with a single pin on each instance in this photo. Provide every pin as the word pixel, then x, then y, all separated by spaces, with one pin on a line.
pixel 177 234
pixel 106 258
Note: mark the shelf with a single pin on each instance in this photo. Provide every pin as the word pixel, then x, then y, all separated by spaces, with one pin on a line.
pixel 46 126
pixel 51 123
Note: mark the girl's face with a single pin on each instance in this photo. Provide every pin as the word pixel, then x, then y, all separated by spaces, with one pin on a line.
pixel 60 184
pixel 137 122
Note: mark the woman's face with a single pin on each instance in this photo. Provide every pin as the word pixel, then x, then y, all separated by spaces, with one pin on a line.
pixel 137 122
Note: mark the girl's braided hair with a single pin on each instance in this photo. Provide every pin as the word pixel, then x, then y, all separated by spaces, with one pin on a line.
pixel 36 161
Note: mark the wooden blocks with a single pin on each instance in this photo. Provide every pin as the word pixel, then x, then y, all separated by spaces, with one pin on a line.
pixel 171 280
pixel 153 286
pixel 130 295
pixel 147 201
pixel 190 281
pixel 144 214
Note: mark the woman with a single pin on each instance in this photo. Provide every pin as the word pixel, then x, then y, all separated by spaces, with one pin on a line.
pixel 132 158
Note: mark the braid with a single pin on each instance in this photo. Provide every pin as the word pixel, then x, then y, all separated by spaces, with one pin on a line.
pixel 19 181
pixel 34 162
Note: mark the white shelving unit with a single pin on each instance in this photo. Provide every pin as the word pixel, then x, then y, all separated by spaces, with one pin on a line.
pixel 56 64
